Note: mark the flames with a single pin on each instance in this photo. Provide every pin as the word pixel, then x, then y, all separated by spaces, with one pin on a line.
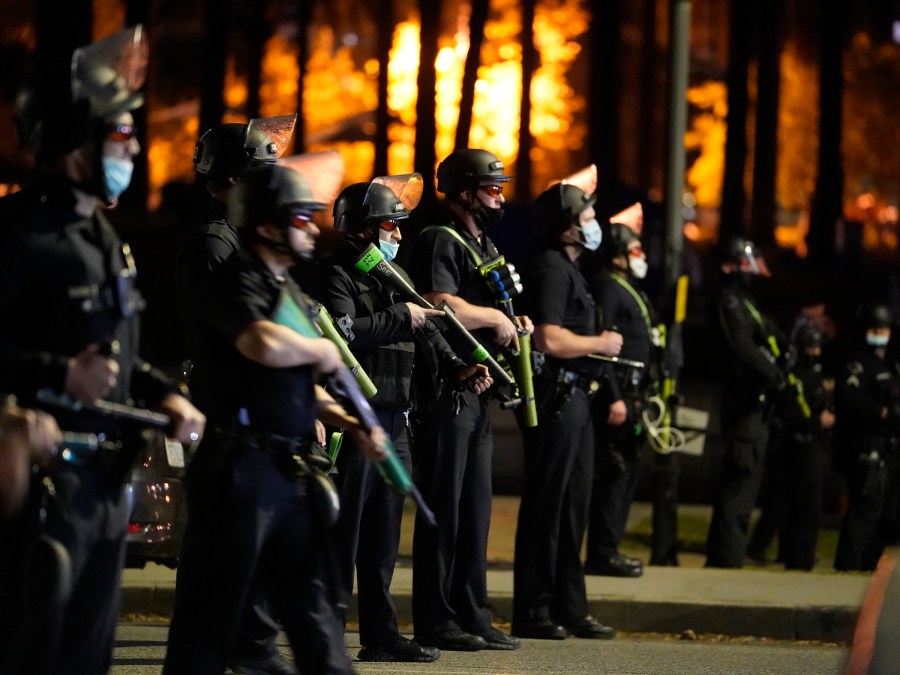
pixel 341 95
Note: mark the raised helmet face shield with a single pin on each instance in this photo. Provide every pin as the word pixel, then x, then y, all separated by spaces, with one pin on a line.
pixel 108 73
pixel 750 261
pixel 269 137
pixel 391 198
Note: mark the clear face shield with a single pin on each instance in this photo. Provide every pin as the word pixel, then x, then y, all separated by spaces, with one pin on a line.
pixel 585 179
pixel 323 172
pixel 275 134
pixel 109 72
pixel 751 261
pixel 407 191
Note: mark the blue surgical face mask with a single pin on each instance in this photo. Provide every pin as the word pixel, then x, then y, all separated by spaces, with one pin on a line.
pixel 875 340
pixel 591 235
pixel 388 249
pixel 116 175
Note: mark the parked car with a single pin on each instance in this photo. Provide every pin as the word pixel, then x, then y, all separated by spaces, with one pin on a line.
pixel 158 507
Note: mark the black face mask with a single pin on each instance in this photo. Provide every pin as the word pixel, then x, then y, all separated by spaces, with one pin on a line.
pixel 486 217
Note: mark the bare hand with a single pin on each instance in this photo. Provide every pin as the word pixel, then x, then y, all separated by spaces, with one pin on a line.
pixel 320 434
pixel 505 333
pixel 329 357
pixel 618 413
pixel 826 419
pixel 188 423
pixel 476 377
pixel 610 343
pixel 371 444
pixel 525 324
pixel 37 431
pixel 418 315
pixel 91 375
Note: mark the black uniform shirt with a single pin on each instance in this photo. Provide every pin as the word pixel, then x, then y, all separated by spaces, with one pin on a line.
pixel 621 312
pixel 276 400
pixel 558 295
pixel 753 370
pixel 206 247
pixel 66 283
pixel 383 340
pixel 441 264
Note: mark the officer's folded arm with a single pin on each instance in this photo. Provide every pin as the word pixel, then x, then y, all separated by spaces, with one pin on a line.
pixel 276 346
pixel 561 343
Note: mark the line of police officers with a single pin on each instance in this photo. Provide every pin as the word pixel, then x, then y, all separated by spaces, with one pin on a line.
pixel 267 543
pixel 258 544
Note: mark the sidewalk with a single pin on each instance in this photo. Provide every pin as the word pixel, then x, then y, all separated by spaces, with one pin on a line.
pixel 763 602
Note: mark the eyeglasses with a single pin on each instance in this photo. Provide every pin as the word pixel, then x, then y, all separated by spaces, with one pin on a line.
pixel 299 220
pixel 491 190
pixel 120 133
pixel 389 225
pixel 636 252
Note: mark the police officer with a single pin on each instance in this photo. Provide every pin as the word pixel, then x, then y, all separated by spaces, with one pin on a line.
pixel 619 430
pixel 256 506
pixel 69 316
pixel 549 600
pixel 865 453
pixel 752 378
pixel 454 463
pixel 384 332
pixel 222 154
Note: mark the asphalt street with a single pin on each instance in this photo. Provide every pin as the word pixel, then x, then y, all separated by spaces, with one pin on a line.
pixel 140 648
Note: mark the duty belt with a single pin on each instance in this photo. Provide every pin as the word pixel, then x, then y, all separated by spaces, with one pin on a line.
pixel 584 382
pixel 274 444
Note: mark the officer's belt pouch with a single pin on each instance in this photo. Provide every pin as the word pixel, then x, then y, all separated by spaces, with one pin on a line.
pixel 301 459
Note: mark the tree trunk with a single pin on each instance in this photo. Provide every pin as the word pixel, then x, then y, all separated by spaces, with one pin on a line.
pixel 304 19
pixel 648 97
pixel 215 52
pixel 529 64
pixel 426 127
pixel 470 71
pixel 827 203
pixel 733 198
pixel 382 114
pixel 256 27
pixel 765 162
pixel 603 97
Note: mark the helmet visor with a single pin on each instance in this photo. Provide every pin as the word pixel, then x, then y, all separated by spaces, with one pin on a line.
pixel 110 69
pixel 584 179
pixel 323 171
pixel 407 188
pixel 632 218
pixel 279 130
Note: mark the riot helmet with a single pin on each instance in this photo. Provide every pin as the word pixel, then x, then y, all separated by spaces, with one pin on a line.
pixel 270 194
pixel 63 108
pixel 875 323
pixel 617 237
pixel 558 208
pixel 807 335
pixel 465 168
pixel 741 256
pixel 227 150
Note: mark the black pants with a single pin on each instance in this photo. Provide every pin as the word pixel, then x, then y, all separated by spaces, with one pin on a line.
pixel 246 520
pixel 616 472
pixel 859 546
pixel 791 501
pixel 453 466
pixel 368 534
pixel 88 519
pixel 742 469
pixel 559 461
